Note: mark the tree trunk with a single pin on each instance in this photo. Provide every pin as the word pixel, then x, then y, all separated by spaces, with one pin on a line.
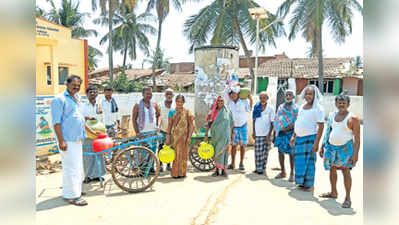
pixel 110 49
pixel 320 58
pixel 155 60
pixel 124 55
pixel 244 46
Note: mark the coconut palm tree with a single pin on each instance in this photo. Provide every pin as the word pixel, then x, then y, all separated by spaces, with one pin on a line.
pixel 93 53
pixel 113 5
pixel 70 16
pixel 227 22
pixel 130 33
pixel 162 8
pixel 310 16
pixel 40 12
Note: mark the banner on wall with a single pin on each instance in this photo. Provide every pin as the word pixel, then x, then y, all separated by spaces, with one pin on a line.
pixel 44 128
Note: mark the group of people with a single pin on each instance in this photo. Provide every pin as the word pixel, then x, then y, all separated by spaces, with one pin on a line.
pixel 295 131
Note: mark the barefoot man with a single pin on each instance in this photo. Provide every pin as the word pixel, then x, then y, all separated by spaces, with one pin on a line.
pixel 284 128
pixel 307 134
pixel 340 147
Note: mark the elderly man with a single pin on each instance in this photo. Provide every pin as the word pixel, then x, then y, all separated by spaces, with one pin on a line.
pixel 240 109
pixel 284 129
pixel 308 129
pixel 263 117
pixel 111 112
pixel 340 147
pixel 165 108
pixel 69 127
pixel 92 110
pixel 145 117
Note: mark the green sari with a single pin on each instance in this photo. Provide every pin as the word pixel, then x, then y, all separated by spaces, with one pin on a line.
pixel 221 136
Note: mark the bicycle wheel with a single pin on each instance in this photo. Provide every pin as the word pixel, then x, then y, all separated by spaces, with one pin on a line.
pixel 132 169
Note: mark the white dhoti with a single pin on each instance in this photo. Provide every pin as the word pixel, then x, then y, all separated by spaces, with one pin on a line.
pixel 72 170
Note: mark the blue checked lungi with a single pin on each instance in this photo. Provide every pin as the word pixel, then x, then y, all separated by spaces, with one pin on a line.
pixel 282 142
pixel 91 168
pixel 241 135
pixel 261 153
pixel 305 161
pixel 338 156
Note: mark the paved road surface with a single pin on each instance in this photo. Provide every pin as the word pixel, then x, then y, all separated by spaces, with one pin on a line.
pixel 200 199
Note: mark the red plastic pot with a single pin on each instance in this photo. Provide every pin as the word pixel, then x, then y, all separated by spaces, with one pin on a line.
pixel 103 142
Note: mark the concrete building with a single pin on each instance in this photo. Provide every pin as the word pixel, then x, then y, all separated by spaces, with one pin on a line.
pixel 58 55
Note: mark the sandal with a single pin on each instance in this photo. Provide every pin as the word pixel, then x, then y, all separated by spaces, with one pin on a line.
pixel 280 175
pixel 77 201
pixel 347 204
pixel 215 174
pixel 230 167
pixel 224 174
pixel 328 195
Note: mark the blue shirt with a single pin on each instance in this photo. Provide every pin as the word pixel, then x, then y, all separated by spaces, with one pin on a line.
pixel 67 112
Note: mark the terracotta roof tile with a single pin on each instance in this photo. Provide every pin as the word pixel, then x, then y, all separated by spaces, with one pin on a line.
pixel 304 68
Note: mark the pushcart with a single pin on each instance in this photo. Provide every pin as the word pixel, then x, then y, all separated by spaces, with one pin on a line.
pixel 132 163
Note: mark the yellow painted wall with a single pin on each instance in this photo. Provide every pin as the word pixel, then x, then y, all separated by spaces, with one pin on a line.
pixel 55 47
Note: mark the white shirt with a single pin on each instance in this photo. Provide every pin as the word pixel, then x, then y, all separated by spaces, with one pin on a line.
pixel 340 132
pixel 164 119
pixel 89 110
pixel 148 127
pixel 306 123
pixel 109 117
pixel 263 123
pixel 240 112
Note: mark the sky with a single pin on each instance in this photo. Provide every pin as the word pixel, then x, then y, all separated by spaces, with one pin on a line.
pixel 176 45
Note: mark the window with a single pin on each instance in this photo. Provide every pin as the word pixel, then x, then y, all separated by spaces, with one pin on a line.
pixel 48 74
pixel 328 86
pixel 63 73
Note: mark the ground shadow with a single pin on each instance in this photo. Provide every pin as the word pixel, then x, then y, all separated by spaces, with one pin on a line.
pixel 51 204
pixel 334 208
pixel 256 177
pixel 282 183
pixel 169 179
pixel 124 193
pixel 301 195
pixel 209 179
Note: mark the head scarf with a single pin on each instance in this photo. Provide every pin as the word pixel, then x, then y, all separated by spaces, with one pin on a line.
pixel 317 95
pixel 290 90
pixel 213 110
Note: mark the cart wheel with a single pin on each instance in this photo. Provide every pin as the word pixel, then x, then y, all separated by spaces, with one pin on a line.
pixel 131 169
pixel 200 164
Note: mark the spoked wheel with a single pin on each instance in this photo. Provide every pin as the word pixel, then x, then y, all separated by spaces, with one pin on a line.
pixel 200 164
pixel 131 169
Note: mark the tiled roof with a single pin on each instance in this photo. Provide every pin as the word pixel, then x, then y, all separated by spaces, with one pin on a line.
pixel 179 79
pixel 304 68
pixel 100 76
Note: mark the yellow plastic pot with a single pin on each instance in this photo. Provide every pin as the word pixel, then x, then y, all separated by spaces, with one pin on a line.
pixel 205 150
pixel 167 154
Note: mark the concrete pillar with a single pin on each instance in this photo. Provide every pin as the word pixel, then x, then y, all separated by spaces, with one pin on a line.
pixel 292 84
pixel 272 90
pixel 213 65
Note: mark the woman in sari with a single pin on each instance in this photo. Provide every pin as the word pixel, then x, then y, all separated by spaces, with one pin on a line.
pixel 220 121
pixel 180 129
